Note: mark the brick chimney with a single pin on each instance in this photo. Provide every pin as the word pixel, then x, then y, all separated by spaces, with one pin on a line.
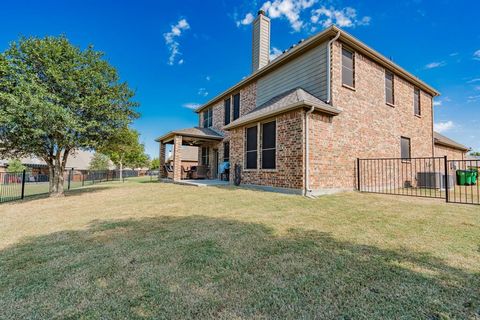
pixel 260 41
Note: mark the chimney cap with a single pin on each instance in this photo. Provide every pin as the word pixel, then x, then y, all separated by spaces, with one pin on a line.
pixel 261 12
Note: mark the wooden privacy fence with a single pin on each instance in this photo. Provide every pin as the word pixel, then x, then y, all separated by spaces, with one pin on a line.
pixel 431 177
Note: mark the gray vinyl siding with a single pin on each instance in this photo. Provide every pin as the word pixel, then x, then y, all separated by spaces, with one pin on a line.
pixel 308 71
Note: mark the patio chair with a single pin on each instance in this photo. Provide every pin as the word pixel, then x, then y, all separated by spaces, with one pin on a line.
pixel 169 170
pixel 198 172
pixel 185 173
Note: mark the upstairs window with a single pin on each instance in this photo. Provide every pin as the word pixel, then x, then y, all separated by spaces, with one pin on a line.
pixel 251 148
pixel 416 102
pixel 348 68
pixel 405 148
pixel 226 151
pixel 389 92
pixel 205 156
pixel 268 145
pixel 227 111
pixel 236 106
pixel 207 118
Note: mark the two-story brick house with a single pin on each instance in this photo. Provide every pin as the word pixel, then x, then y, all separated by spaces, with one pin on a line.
pixel 299 122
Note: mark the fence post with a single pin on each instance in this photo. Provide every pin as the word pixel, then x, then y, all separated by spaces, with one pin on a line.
pixel 69 178
pixel 83 179
pixel 23 184
pixel 446 179
pixel 358 174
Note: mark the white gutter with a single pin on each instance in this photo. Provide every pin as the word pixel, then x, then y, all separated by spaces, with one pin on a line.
pixel 308 191
pixel 329 72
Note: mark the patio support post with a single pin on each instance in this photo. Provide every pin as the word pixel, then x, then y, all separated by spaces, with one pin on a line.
pixel 161 169
pixel 177 158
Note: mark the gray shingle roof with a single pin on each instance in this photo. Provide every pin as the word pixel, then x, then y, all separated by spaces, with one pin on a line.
pixel 441 139
pixel 196 132
pixel 286 101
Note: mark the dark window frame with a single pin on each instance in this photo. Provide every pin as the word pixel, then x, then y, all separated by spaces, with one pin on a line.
pixel 227 106
pixel 270 148
pixel 248 151
pixel 236 106
pixel 417 105
pixel 392 89
pixel 207 118
pixel 352 70
pixel 205 158
pixel 226 151
pixel 402 156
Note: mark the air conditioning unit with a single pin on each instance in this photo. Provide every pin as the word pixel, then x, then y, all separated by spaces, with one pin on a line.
pixel 434 180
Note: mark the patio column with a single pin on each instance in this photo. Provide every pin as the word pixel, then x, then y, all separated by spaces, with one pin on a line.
pixel 161 169
pixel 177 158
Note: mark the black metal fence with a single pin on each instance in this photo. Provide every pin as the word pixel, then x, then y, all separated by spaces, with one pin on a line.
pixel 435 177
pixel 19 185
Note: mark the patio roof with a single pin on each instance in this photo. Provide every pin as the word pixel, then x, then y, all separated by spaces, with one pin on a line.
pixel 286 101
pixel 192 136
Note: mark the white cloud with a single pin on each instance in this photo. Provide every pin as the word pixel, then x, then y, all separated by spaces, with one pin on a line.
pixel 473 98
pixel 346 17
pixel 274 53
pixel 301 15
pixel 208 78
pixel 246 21
pixel 476 55
pixel 203 92
pixel 443 126
pixel 435 64
pixel 477 88
pixel 437 103
pixel 171 42
pixel 191 105
pixel 474 80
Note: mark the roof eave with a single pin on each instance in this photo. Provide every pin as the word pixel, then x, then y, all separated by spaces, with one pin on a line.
pixel 301 104
pixel 450 145
pixel 172 134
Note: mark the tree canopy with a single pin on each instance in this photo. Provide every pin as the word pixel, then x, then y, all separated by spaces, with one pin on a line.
pixel 56 98
pixel 99 162
pixel 15 165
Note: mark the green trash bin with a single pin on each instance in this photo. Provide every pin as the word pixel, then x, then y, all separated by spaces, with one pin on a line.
pixel 461 177
pixel 468 177
pixel 474 176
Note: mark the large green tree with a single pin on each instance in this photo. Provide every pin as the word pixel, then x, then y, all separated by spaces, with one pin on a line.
pixel 125 150
pixel 15 165
pixel 99 161
pixel 56 98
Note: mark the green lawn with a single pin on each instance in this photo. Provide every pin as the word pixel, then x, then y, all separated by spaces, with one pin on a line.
pixel 150 250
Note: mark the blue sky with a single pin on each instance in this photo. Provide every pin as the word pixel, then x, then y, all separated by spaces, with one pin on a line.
pixel 177 54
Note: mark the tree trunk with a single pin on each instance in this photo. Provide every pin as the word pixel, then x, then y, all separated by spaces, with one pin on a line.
pixel 121 171
pixel 56 171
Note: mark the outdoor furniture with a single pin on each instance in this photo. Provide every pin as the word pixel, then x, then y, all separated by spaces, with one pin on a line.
pixel 186 174
pixel 169 170
pixel 198 172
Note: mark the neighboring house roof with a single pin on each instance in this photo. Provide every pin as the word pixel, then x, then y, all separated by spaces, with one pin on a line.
pixel 79 160
pixel 286 101
pixel 474 158
pixel 188 153
pixel 444 141
pixel 313 41
pixel 195 132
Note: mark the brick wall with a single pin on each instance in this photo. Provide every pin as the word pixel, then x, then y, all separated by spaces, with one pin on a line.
pixel 289 172
pixel 451 153
pixel 367 126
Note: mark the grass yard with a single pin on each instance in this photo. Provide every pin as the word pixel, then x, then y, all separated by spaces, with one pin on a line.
pixel 149 250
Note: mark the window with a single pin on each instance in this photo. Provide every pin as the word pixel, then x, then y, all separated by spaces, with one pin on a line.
pixel 268 145
pixel 389 93
pixel 227 111
pixel 405 148
pixel 348 68
pixel 207 118
pixel 205 156
pixel 226 151
pixel 236 106
pixel 416 102
pixel 251 148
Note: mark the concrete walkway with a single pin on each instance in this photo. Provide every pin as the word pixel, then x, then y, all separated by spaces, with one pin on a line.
pixel 199 183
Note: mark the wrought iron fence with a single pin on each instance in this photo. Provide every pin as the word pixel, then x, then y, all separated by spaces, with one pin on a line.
pixel 434 177
pixel 19 185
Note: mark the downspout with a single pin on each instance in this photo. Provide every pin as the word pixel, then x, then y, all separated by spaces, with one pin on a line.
pixel 329 72
pixel 308 191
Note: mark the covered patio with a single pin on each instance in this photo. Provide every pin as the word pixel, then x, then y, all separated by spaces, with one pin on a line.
pixel 199 137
